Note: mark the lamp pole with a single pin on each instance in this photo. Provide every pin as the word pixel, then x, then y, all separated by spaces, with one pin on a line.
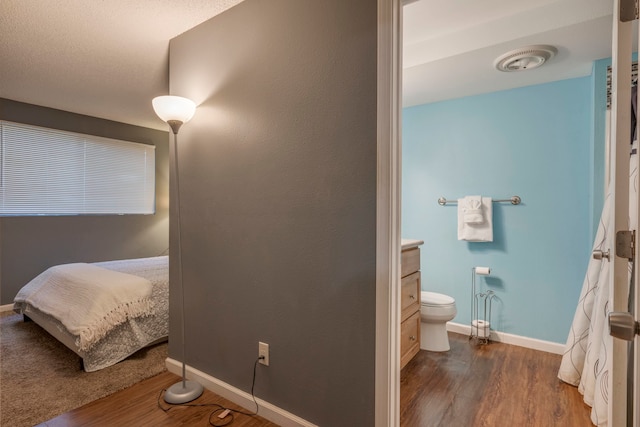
pixel 176 111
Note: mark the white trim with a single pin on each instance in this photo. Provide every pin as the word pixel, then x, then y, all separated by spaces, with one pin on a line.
pixel 622 47
pixel 387 362
pixel 6 307
pixel 519 340
pixel 239 397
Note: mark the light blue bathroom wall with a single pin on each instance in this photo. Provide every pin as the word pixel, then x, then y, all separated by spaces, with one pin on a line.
pixel 535 142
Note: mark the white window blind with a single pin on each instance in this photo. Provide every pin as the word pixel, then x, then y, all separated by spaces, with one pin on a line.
pixel 50 172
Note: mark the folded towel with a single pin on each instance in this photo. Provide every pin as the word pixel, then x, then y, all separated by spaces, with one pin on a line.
pixel 472 232
pixel 472 207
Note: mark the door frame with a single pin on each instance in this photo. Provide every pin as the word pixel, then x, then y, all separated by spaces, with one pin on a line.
pixel 388 233
pixel 619 174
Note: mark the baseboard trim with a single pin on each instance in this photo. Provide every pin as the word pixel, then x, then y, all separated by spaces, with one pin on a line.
pixel 503 337
pixel 6 307
pixel 239 397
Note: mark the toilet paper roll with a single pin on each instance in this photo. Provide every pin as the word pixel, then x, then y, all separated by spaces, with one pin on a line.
pixel 481 328
pixel 483 271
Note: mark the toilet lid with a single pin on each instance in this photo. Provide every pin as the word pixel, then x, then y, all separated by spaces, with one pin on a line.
pixel 433 298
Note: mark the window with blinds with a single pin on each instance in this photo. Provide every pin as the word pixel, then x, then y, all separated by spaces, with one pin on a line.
pixel 50 172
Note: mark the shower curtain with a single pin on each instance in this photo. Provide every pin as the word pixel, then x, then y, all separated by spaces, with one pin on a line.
pixel 584 363
pixel 589 345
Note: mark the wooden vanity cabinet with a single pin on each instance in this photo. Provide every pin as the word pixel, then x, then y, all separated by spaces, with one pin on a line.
pixel 410 304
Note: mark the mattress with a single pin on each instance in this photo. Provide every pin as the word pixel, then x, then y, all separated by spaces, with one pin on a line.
pixel 128 337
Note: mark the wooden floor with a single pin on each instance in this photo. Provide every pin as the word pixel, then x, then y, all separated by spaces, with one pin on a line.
pixel 139 406
pixel 494 385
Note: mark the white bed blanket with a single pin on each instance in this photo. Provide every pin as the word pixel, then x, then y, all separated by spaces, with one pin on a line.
pixel 101 299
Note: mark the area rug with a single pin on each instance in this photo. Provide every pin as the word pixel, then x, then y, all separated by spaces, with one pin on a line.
pixel 40 378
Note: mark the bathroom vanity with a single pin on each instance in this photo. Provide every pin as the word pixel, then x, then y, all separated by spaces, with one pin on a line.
pixel 410 300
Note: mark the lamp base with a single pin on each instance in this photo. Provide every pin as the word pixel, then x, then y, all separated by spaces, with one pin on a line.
pixel 183 392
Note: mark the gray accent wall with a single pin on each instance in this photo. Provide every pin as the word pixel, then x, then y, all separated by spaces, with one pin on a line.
pixel 29 245
pixel 278 203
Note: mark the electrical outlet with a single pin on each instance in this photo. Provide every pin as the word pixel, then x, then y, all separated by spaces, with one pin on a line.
pixel 263 351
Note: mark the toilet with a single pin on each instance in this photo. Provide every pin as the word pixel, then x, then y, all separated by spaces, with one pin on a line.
pixel 435 311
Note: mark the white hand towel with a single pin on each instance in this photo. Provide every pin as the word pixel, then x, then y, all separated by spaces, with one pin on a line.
pixel 482 232
pixel 472 206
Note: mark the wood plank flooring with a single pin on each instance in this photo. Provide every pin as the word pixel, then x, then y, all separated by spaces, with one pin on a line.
pixel 495 385
pixel 138 406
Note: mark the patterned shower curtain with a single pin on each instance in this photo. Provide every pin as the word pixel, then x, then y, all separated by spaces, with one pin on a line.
pixel 584 363
pixel 589 345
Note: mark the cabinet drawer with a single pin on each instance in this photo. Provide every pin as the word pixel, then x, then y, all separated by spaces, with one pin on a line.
pixel 409 261
pixel 409 339
pixel 410 297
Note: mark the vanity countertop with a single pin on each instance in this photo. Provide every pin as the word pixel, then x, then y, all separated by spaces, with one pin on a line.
pixel 411 243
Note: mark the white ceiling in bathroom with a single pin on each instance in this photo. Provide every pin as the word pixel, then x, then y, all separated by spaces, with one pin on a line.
pixel 109 58
pixel 450 46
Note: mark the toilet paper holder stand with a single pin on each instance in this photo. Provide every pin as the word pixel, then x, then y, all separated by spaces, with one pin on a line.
pixel 480 327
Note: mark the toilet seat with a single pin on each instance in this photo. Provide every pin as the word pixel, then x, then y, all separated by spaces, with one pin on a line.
pixel 433 299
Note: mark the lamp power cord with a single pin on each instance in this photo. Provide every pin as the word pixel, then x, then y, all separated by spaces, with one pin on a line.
pixel 220 416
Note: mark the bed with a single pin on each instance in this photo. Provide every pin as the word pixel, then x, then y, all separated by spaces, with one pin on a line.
pixel 103 311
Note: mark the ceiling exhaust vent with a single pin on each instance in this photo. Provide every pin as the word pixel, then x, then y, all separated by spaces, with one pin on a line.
pixel 525 58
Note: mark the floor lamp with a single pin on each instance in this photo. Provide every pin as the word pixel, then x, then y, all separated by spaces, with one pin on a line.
pixel 177 111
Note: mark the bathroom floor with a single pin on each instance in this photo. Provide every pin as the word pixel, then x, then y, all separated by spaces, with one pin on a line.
pixel 488 385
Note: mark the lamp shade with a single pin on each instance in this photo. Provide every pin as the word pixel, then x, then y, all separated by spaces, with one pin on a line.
pixel 174 108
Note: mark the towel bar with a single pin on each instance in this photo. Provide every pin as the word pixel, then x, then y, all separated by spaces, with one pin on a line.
pixel 515 200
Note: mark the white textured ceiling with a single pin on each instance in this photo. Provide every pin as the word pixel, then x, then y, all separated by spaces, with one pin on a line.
pixel 109 58
pixel 103 58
